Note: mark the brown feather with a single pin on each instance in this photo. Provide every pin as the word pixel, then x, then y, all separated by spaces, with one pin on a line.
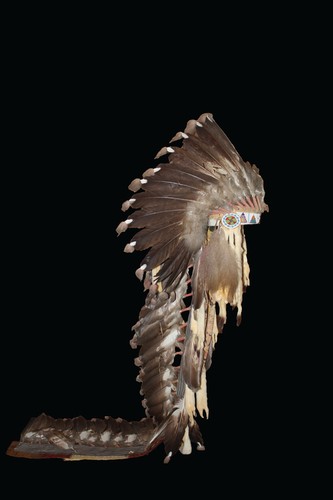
pixel 174 268
pixel 174 430
pixel 170 177
pixel 218 265
pixel 160 253
pixel 147 237
pixel 156 219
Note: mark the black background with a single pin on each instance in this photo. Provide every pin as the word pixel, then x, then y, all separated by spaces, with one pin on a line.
pixel 89 107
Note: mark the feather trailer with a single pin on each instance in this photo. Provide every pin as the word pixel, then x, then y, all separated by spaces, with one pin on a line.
pixel 189 212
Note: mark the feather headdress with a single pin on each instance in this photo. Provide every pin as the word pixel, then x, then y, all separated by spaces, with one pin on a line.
pixel 189 212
